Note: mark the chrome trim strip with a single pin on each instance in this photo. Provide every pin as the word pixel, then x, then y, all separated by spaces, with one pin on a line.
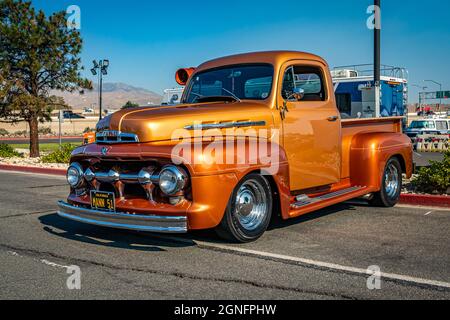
pixel 120 137
pixel 226 125
pixel 304 200
pixel 160 224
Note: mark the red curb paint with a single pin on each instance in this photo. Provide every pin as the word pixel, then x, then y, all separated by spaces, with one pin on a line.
pixel 425 200
pixel 50 171
pixel 40 138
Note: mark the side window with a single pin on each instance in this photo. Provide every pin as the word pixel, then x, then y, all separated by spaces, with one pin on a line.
pixel 258 88
pixel 344 103
pixel 430 125
pixel 441 125
pixel 310 79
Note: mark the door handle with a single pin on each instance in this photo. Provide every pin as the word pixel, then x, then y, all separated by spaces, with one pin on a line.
pixel 333 119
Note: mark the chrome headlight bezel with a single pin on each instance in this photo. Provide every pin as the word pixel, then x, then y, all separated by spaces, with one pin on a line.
pixel 75 170
pixel 178 180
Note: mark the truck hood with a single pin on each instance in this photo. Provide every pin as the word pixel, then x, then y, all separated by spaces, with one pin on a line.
pixel 160 123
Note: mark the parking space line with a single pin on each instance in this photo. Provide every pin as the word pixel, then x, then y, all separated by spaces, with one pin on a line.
pixel 408 206
pixel 54 265
pixel 309 262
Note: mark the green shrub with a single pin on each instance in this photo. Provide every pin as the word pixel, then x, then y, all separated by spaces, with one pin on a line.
pixel 6 151
pixel 434 179
pixel 61 155
pixel 3 132
pixel 45 131
pixel 23 133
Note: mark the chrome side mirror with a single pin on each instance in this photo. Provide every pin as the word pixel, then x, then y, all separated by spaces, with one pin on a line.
pixel 297 95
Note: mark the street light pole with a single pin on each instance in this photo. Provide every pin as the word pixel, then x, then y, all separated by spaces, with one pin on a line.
pixel 101 69
pixel 440 88
pixel 377 58
pixel 420 94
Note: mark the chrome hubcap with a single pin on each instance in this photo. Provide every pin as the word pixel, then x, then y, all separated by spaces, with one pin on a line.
pixel 391 181
pixel 251 205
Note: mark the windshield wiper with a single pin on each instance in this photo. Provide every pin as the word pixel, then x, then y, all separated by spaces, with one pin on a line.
pixel 216 98
pixel 201 98
pixel 232 94
pixel 197 96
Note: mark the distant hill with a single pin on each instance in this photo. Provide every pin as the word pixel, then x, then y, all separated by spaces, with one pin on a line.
pixel 115 95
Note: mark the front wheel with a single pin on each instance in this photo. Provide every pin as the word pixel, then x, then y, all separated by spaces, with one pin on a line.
pixel 248 212
pixel 391 186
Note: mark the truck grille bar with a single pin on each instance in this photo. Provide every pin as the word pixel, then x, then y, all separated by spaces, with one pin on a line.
pixel 112 176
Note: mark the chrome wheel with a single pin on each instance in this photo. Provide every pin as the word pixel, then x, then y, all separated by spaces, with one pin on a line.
pixel 251 205
pixel 391 181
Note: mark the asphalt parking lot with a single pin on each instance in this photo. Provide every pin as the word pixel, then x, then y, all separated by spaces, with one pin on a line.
pixel 320 256
pixel 422 159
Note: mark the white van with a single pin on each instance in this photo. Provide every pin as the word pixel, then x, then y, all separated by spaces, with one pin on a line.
pixel 428 126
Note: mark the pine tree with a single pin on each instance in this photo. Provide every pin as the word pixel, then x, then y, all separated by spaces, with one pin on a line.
pixel 38 54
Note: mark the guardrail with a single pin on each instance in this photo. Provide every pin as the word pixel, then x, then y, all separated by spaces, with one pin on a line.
pixel 432 143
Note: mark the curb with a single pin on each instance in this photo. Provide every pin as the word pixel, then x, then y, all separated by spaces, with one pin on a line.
pixel 41 138
pixel 49 171
pixel 425 200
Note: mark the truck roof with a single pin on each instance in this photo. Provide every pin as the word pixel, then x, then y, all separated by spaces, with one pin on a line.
pixel 276 58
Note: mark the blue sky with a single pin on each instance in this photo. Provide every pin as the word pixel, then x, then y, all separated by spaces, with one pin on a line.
pixel 147 41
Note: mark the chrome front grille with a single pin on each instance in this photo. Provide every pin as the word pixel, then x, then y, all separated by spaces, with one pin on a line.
pixel 118 182
pixel 113 137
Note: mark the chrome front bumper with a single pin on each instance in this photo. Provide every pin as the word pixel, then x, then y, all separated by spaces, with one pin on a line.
pixel 160 224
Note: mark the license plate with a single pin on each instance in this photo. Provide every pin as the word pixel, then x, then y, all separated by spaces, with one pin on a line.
pixel 104 201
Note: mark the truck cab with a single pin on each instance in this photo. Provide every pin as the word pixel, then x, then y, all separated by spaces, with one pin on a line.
pixel 255 135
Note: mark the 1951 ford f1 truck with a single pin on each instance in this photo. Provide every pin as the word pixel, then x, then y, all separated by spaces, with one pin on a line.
pixel 256 135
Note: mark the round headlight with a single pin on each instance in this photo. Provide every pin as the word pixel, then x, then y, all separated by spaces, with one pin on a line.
pixel 172 180
pixel 75 175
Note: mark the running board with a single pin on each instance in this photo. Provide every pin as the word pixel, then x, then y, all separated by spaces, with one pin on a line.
pixel 304 201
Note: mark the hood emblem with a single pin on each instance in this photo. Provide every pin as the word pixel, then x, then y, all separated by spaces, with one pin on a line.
pixel 105 151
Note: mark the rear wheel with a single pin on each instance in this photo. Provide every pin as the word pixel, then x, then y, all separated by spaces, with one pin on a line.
pixel 391 186
pixel 248 212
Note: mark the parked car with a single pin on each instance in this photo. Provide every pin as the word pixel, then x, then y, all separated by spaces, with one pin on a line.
pixel 134 177
pixel 88 111
pixel 69 115
pixel 428 126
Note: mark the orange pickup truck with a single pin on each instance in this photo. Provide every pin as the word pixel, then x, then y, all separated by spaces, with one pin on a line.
pixel 256 135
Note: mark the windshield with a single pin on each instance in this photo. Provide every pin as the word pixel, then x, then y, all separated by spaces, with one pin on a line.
pixel 253 82
pixel 422 125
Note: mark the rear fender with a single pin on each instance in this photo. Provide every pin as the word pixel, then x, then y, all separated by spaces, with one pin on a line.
pixel 370 152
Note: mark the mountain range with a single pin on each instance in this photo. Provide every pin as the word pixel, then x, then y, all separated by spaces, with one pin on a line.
pixel 115 95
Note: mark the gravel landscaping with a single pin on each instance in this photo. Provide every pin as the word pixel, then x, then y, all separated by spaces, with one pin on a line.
pixel 28 162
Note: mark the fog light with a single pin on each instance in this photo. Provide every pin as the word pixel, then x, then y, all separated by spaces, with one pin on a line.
pixel 175 200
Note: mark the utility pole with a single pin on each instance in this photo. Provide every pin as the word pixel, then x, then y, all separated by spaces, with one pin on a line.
pixel 377 58
pixel 101 69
